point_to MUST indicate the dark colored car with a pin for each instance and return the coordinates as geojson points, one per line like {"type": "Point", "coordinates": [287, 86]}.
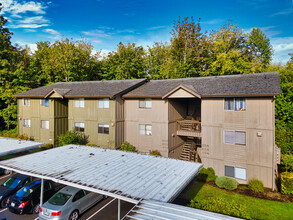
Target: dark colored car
{"type": "Point", "coordinates": [11, 186]}
{"type": "Point", "coordinates": [27, 199]}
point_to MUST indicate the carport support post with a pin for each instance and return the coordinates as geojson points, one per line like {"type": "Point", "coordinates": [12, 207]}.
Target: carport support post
{"type": "Point", "coordinates": [119, 209]}
{"type": "Point", "coordinates": [42, 192]}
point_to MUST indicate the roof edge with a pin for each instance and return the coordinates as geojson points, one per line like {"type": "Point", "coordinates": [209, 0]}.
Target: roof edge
{"type": "Point", "coordinates": [181, 86]}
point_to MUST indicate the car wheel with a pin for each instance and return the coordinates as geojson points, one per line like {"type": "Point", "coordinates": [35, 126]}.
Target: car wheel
{"type": "Point", "coordinates": [36, 209]}
{"type": "Point", "coordinates": [74, 215]}
{"type": "Point", "coordinates": [4, 202]}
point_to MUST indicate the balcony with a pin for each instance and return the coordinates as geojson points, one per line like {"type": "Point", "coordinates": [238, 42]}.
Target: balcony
{"type": "Point", "coordinates": [189, 128]}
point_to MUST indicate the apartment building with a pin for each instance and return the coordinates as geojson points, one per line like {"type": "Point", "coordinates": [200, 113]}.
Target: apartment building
{"type": "Point", "coordinates": [225, 122]}
{"type": "Point", "coordinates": [95, 108]}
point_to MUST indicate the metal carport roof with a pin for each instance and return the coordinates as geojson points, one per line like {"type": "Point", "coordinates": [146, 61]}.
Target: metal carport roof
{"type": "Point", "coordinates": [10, 145]}
{"type": "Point", "coordinates": [123, 175]}
{"type": "Point", "coordinates": [152, 210]}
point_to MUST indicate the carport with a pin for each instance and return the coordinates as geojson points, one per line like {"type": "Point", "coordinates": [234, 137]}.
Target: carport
{"type": "Point", "coordinates": [122, 175]}
{"type": "Point", "coordinates": [11, 146]}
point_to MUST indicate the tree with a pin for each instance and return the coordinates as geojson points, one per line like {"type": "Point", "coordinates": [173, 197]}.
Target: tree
{"type": "Point", "coordinates": [128, 62]}
{"type": "Point", "coordinates": [230, 51]}
{"type": "Point", "coordinates": [260, 49]}
{"type": "Point", "coordinates": [189, 49]}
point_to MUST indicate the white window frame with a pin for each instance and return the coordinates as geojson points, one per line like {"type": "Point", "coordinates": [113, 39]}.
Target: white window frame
{"type": "Point", "coordinates": [234, 137]}
{"type": "Point", "coordinates": [79, 103]}
{"type": "Point", "coordinates": [239, 172]}
{"type": "Point", "coordinates": [145, 103]}
{"type": "Point", "coordinates": [103, 126]}
{"type": "Point", "coordinates": [43, 102]}
{"type": "Point", "coordinates": [78, 126]}
{"type": "Point", "coordinates": [236, 102]}
{"type": "Point", "coordinates": [104, 103]}
{"type": "Point", "coordinates": [26, 102]}
{"type": "Point", "coordinates": [46, 123]}
{"type": "Point", "coordinates": [26, 123]}
{"type": "Point", "coordinates": [145, 129]}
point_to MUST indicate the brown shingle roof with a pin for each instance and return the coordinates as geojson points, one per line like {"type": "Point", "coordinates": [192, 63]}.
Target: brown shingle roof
{"type": "Point", "coordinates": [259, 84]}
{"type": "Point", "coordinates": [85, 89]}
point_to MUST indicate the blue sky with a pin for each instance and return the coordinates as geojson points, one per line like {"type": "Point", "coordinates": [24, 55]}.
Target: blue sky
{"type": "Point", "coordinates": [104, 23]}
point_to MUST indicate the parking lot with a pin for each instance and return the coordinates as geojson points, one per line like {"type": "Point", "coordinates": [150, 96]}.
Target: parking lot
{"type": "Point", "coordinates": [106, 209]}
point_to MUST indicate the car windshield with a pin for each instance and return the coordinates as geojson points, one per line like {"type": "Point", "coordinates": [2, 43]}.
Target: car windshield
{"type": "Point", "coordinates": [59, 199]}
{"type": "Point", "coordinates": [26, 191]}
{"type": "Point", "coordinates": [11, 183]}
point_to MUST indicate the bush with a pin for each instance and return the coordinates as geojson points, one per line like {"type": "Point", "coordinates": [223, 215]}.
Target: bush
{"type": "Point", "coordinates": [222, 206]}
{"type": "Point", "coordinates": [23, 137]}
{"type": "Point", "coordinates": [47, 146]}
{"type": "Point", "coordinates": [127, 147]}
{"type": "Point", "coordinates": [287, 162]}
{"type": "Point", "coordinates": [73, 137]}
{"type": "Point", "coordinates": [256, 185]}
{"type": "Point", "coordinates": [155, 153]}
{"type": "Point", "coordinates": [226, 183]}
{"type": "Point", "coordinates": [92, 145]}
{"type": "Point", "coordinates": [287, 183]}
{"type": "Point", "coordinates": [9, 133]}
{"type": "Point", "coordinates": [206, 175]}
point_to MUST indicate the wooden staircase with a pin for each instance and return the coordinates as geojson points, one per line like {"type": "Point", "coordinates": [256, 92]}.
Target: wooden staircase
{"type": "Point", "coordinates": [188, 152]}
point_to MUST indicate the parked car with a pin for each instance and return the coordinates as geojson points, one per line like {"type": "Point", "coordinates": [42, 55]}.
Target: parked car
{"type": "Point", "coordinates": [68, 203]}
{"type": "Point", "coordinates": [27, 199]}
{"type": "Point", "coordinates": [12, 185]}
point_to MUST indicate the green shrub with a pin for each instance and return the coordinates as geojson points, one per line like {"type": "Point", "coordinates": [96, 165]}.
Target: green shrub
{"type": "Point", "coordinates": [127, 147]}
{"type": "Point", "coordinates": [287, 162]}
{"type": "Point", "coordinates": [155, 153]}
{"type": "Point", "coordinates": [226, 183]}
{"type": "Point", "coordinates": [73, 137]}
{"type": "Point", "coordinates": [12, 133]}
{"type": "Point", "coordinates": [222, 206]}
{"type": "Point", "coordinates": [256, 185]}
{"type": "Point", "coordinates": [47, 146]}
{"type": "Point", "coordinates": [206, 175]}
{"type": "Point", "coordinates": [23, 137]}
{"type": "Point", "coordinates": [243, 187]}
{"type": "Point", "coordinates": [92, 145]}
{"type": "Point", "coordinates": [287, 183]}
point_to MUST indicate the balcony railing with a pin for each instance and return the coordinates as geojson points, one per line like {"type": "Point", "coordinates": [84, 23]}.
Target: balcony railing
{"type": "Point", "coordinates": [189, 128]}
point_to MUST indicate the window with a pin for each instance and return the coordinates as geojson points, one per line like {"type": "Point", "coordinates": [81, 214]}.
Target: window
{"type": "Point", "coordinates": [229, 104]}
{"type": "Point", "coordinates": [44, 124]}
{"type": "Point", "coordinates": [235, 137]}
{"type": "Point", "coordinates": [235, 172]}
{"type": "Point", "coordinates": [78, 195]}
{"type": "Point", "coordinates": [79, 126]}
{"type": "Point", "coordinates": [240, 104]}
{"type": "Point", "coordinates": [26, 123]}
{"type": "Point", "coordinates": [145, 129]}
{"type": "Point", "coordinates": [26, 102]}
{"type": "Point", "coordinates": [103, 103]}
{"type": "Point", "coordinates": [103, 129]}
{"type": "Point", "coordinates": [145, 103]}
{"type": "Point", "coordinates": [44, 102]}
{"type": "Point", "coordinates": [79, 103]}
{"type": "Point", "coordinates": [237, 104]}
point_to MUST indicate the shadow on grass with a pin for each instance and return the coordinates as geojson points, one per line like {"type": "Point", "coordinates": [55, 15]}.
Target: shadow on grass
{"type": "Point", "coordinates": [188, 193]}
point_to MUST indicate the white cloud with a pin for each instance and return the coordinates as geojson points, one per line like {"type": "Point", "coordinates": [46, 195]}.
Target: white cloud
{"type": "Point", "coordinates": [52, 31]}
{"type": "Point", "coordinates": [33, 20]}
{"type": "Point", "coordinates": [31, 46]}
{"type": "Point", "coordinates": [282, 46]}
{"type": "Point", "coordinates": [212, 21]}
{"type": "Point", "coordinates": [284, 12]}
{"type": "Point", "coordinates": [28, 25]}
{"type": "Point", "coordinates": [96, 33]}
{"type": "Point", "coordinates": [15, 7]}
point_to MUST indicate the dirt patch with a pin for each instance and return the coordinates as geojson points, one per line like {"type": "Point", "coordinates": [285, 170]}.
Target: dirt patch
{"type": "Point", "coordinates": [267, 195]}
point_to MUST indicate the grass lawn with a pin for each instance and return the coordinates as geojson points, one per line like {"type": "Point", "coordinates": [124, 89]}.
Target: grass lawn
{"type": "Point", "coordinates": [256, 208]}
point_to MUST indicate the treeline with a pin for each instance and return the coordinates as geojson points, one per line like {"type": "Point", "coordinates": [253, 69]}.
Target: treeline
{"type": "Point", "coordinates": [189, 53]}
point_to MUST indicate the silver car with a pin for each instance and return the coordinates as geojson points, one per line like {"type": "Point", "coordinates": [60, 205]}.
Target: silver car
{"type": "Point", "coordinates": [68, 203]}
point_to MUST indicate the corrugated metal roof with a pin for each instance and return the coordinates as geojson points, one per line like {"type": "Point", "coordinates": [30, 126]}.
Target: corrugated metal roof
{"type": "Point", "coordinates": [151, 210]}
{"type": "Point", "coordinates": [10, 146]}
{"type": "Point", "coordinates": [125, 175]}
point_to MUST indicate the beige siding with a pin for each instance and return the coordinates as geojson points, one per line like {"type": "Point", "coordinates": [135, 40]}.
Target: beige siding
{"type": "Point", "coordinates": [35, 112]}
{"type": "Point", "coordinates": [91, 115]}
{"type": "Point", "coordinates": [157, 116]}
{"type": "Point", "coordinates": [119, 122]}
{"type": "Point", "coordinates": [257, 155]}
